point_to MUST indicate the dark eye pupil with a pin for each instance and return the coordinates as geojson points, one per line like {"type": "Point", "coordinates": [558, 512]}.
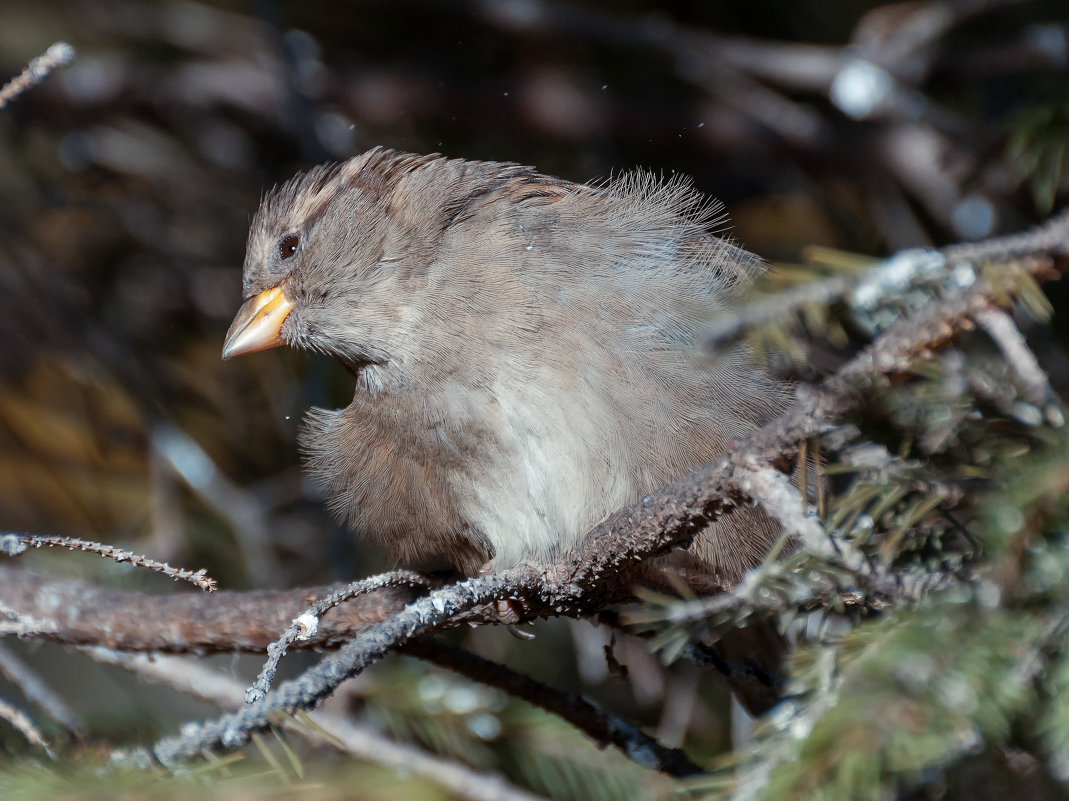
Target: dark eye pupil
{"type": "Point", "coordinates": [288, 246]}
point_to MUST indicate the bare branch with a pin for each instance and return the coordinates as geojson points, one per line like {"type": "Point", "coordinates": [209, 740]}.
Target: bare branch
{"type": "Point", "coordinates": [306, 624]}
{"type": "Point", "coordinates": [867, 292]}
{"type": "Point", "coordinates": [21, 722]}
{"type": "Point", "coordinates": [227, 621]}
{"type": "Point", "coordinates": [1022, 362]}
{"type": "Point", "coordinates": [779, 497]}
{"type": "Point", "coordinates": [368, 646]}
{"type": "Point", "coordinates": [603, 728]}
{"type": "Point", "coordinates": [58, 55]}
{"type": "Point", "coordinates": [18, 544]}
{"type": "Point", "coordinates": [36, 691]}
{"type": "Point", "coordinates": [77, 613]}
{"type": "Point", "coordinates": [187, 676]}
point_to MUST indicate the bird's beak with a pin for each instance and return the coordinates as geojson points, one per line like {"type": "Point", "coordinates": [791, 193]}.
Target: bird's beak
{"type": "Point", "coordinates": [258, 323]}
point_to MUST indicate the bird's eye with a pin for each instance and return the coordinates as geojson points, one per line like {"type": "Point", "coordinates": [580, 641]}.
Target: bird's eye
{"type": "Point", "coordinates": [288, 246]}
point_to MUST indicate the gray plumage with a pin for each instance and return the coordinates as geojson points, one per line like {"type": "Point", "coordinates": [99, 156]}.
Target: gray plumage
{"type": "Point", "coordinates": [527, 351]}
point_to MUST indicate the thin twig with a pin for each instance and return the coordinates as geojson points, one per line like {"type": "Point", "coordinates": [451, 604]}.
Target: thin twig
{"type": "Point", "coordinates": [36, 691]}
{"type": "Point", "coordinates": [603, 728]}
{"type": "Point", "coordinates": [245, 514]}
{"type": "Point", "coordinates": [370, 645]}
{"type": "Point", "coordinates": [17, 544]}
{"type": "Point", "coordinates": [306, 624]}
{"type": "Point", "coordinates": [21, 722]}
{"type": "Point", "coordinates": [58, 55]}
{"type": "Point", "coordinates": [727, 326]}
{"type": "Point", "coordinates": [786, 504]}
{"type": "Point", "coordinates": [775, 589]}
{"type": "Point", "coordinates": [868, 291]}
{"type": "Point", "coordinates": [1022, 362]}
{"type": "Point", "coordinates": [192, 678]}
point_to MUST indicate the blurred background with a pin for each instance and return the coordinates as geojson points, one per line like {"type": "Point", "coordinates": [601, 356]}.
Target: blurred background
{"type": "Point", "coordinates": [128, 179]}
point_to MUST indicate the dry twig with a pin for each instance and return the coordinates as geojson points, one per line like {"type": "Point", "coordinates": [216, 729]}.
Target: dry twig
{"type": "Point", "coordinates": [322, 728]}
{"type": "Point", "coordinates": [21, 722]}
{"type": "Point", "coordinates": [58, 55]}
{"type": "Point", "coordinates": [18, 544]}
{"type": "Point", "coordinates": [36, 691]}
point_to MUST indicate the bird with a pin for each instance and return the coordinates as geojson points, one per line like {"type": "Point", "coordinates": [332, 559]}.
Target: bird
{"type": "Point", "coordinates": [527, 352]}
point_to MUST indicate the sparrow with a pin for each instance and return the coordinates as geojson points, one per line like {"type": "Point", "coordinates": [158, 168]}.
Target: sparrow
{"type": "Point", "coordinates": [527, 352]}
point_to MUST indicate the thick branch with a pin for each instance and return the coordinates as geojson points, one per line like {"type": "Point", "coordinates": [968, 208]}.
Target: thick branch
{"type": "Point", "coordinates": [76, 613]}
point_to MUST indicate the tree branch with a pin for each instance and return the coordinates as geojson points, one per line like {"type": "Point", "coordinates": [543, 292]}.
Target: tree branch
{"type": "Point", "coordinates": [600, 572]}
{"type": "Point", "coordinates": [334, 730]}
{"type": "Point", "coordinates": [604, 729]}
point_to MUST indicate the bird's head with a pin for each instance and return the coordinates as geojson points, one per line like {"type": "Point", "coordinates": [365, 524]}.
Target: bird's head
{"type": "Point", "coordinates": [335, 262]}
